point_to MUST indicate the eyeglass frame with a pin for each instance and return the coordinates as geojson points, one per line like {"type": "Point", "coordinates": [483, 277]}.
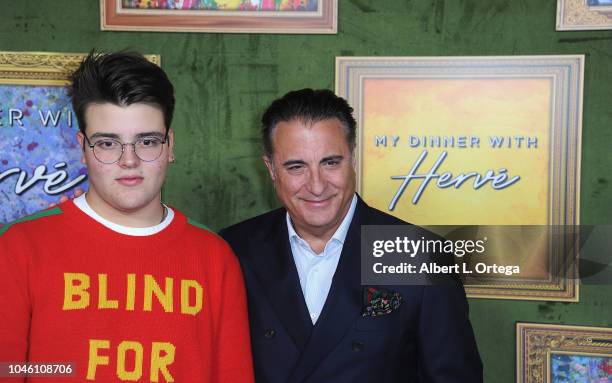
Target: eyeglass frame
{"type": "Point", "coordinates": [92, 146]}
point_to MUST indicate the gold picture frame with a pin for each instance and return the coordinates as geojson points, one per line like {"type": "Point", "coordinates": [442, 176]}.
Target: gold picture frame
{"type": "Point", "coordinates": [583, 15]}
{"type": "Point", "coordinates": [546, 352]}
{"type": "Point", "coordinates": [43, 68]}
{"type": "Point", "coordinates": [38, 68]}
{"type": "Point", "coordinates": [413, 97]}
{"type": "Point", "coordinates": [114, 16]}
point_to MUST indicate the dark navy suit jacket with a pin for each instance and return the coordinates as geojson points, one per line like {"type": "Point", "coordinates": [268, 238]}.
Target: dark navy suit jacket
{"type": "Point", "coordinates": [427, 339]}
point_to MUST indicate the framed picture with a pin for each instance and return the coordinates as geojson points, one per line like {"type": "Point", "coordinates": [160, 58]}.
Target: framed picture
{"type": "Point", "coordinates": [40, 159]}
{"type": "Point", "coordinates": [221, 16]}
{"type": "Point", "coordinates": [433, 134]}
{"type": "Point", "coordinates": [580, 15]}
{"type": "Point", "coordinates": [547, 353]}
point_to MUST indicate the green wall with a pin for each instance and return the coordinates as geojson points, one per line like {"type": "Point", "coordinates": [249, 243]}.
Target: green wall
{"type": "Point", "coordinates": [223, 83]}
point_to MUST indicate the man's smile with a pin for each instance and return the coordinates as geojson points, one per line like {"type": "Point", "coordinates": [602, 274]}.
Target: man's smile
{"type": "Point", "coordinates": [318, 203]}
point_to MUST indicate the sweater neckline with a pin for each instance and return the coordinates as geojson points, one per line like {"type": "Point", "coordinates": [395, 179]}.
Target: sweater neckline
{"type": "Point", "coordinates": [83, 205]}
{"type": "Point", "coordinates": [83, 224]}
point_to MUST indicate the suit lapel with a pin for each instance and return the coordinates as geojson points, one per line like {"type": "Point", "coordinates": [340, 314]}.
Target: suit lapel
{"type": "Point", "coordinates": [343, 304]}
{"type": "Point", "coordinates": [281, 283]}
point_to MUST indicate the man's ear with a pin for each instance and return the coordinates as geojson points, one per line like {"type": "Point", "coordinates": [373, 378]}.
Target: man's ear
{"type": "Point", "coordinates": [270, 165]}
{"type": "Point", "coordinates": [81, 138]}
{"type": "Point", "coordinates": [171, 145]}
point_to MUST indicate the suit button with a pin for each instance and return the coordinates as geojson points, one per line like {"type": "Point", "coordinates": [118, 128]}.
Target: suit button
{"type": "Point", "coordinates": [358, 346]}
{"type": "Point", "coordinates": [270, 333]}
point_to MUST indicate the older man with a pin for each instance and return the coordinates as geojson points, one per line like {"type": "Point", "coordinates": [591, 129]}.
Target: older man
{"type": "Point", "coordinates": [301, 264]}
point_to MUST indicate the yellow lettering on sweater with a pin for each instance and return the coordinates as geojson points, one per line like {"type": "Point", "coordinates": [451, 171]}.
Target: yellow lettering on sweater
{"type": "Point", "coordinates": [136, 373]}
{"type": "Point", "coordinates": [187, 285]}
{"type": "Point", "coordinates": [131, 352]}
{"type": "Point", "coordinates": [94, 358]}
{"type": "Point", "coordinates": [103, 301]}
{"type": "Point", "coordinates": [162, 355]}
{"type": "Point", "coordinates": [164, 297]}
{"type": "Point", "coordinates": [77, 294]}
{"type": "Point", "coordinates": [130, 294]}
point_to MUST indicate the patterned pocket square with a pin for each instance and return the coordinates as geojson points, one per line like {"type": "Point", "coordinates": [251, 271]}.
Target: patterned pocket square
{"type": "Point", "coordinates": [378, 301]}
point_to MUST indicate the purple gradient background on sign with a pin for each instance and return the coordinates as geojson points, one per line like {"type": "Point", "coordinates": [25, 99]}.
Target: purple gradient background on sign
{"type": "Point", "coordinates": [33, 144]}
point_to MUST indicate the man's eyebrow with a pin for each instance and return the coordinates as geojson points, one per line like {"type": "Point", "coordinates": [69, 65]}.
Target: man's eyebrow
{"type": "Point", "coordinates": [105, 135]}
{"type": "Point", "coordinates": [151, 134]}
{"type": "Point", "coordinates": [332, 158]}
{"type": "Point", "coordinates": [293, 162]}
{"type": "Point", "coordinates": [139, 135]}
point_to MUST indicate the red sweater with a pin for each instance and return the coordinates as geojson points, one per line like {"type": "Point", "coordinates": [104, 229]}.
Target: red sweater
{"type": "Point", "coordinates": [166, 307]}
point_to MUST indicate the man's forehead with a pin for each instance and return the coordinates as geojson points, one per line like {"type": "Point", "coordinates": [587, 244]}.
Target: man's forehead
{"type": "Point", "coordinates": [110, 111]}
{"type": "Point", "coordinates": [327, 130]}
{"type": "Point", "coordinates": [298, 153]}
{"type": "Point", "coordinates": [309, 140]}
{"type": "Point", "coordinates": [135, 119]}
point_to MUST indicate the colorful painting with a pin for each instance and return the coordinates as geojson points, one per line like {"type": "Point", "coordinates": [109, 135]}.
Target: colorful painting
{"type": "Point", "coordinates": [39, 153]}
{"type": "Point", "coordinates": [225, 5]}
{"type": "Point", "coordinates": [552, 353]}
{"type": "Point", "coordinates": [484, 141]}
{"type": "Point", "coordinates": [221, 16]}
{"type": "Point", "coordinates": [567, 368]}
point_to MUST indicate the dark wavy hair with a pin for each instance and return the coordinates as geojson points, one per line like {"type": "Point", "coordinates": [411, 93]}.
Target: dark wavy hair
{"type": "Point", "coordinates": [309, 106]}
{"type": "Point", "coordinates": [120, 78]}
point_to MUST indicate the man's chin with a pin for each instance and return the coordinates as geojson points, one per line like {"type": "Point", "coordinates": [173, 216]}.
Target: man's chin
{"type": "Point", "coordinates": [130, 206]}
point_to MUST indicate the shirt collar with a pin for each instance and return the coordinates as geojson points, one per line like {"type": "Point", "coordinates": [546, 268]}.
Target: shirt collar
{"type": "Point", "coordinates": [83, 205]}
{"type": "Point", "coordinates": [341, 231]}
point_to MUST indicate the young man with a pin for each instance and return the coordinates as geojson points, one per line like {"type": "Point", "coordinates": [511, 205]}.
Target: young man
{"type": "Point", "coordinates": [144, 294]}
{"type": "Point", "coordinates": [310, 317]}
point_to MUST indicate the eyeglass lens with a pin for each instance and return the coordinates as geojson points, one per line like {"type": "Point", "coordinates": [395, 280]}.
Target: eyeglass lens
{"type": "Point", "coordinates": [109, 151]}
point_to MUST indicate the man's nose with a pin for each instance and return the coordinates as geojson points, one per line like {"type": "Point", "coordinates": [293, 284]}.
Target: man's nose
{"type": "Point", "coordinates": [316, 182]}
{"type": "Point", "coordinates": [128, 157]}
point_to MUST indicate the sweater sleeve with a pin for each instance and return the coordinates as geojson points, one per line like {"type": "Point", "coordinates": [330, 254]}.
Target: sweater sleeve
{"type": "Point", "coordinates": [233, 346]}
{"type": "Point", "coordinates": [15, 304]}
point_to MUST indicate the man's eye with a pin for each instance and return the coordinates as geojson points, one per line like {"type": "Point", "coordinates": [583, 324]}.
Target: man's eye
{"type": "Point", "coordinates": [151, 142]}
{"type": "Point", "coordinates": [107, 144]}
{"type": "Point", "coordinates": [295, 168]}
{"type": "Point", "coordinates": [332, 163]}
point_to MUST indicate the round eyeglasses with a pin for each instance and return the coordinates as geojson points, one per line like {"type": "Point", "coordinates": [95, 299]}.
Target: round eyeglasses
{"type": "Point", "coordinates": [109, 150]}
